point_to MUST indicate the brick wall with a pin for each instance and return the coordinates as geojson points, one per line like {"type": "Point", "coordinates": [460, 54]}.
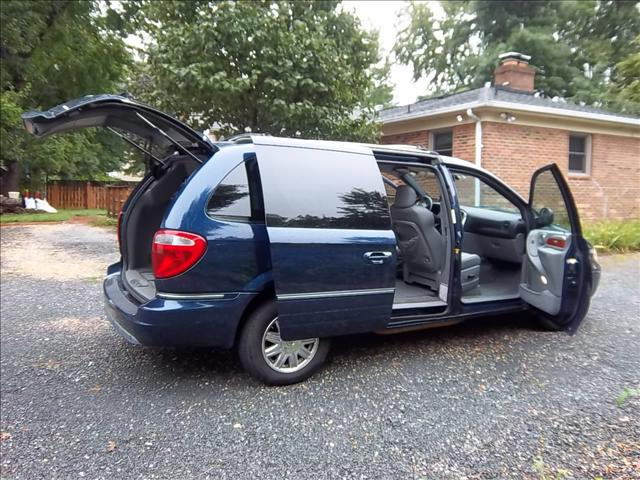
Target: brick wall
{"type": "Point", "coordinates": [513, 152]}
{"type": "Point", "coordinates": [464, 142]}
{"type": "Point", "coordinates": [613, 191]}
{"type": "Point", "coordinates": [419, 138]}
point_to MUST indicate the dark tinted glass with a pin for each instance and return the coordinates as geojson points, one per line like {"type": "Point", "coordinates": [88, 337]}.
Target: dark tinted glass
{"type": "Point", "coordinates": [311, 188]}
{"type": "Point", "coordinates": [577, 162]}
{"type": "Point", "coordinates": [443, 142]}
{"type": "Point", "coordinates": [231, 196]}
{"type": "Point", "coordinates": [577, 144]}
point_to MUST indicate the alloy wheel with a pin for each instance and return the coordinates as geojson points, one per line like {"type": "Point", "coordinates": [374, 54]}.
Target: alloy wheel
{"type": "Point", "coordinates": [286, 356]}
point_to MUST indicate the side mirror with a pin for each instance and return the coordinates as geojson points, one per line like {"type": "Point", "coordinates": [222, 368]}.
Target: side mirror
{"type": "Point", "coordinates": [544, 218]}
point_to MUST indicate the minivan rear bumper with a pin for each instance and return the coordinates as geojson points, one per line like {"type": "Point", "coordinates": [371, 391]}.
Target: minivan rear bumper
{"type": "Point", "coordinates": [163, 322]}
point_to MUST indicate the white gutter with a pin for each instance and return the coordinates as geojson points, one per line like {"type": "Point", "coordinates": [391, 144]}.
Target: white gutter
{"type": "Point", "coordinates": [478, 121]}
{"type": "Point", "coordinates": [565, 112]}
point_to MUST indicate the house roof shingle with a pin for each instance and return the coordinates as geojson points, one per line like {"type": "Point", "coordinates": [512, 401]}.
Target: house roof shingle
{"type": "Point", "coordinates": [486, 95]}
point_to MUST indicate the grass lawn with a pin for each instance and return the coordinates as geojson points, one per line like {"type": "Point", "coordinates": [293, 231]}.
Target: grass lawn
{"type": "Point", "coordinates": [98, 217]}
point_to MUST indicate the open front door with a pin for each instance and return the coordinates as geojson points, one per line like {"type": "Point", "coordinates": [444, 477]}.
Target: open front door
{"type": "Point", "coordinates": [557, 273]}
{"type": "Point", "coordinates": [332, 247]}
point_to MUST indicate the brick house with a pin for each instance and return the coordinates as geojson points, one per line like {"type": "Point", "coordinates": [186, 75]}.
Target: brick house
{"type": "Point", "coordinates": [511, 131]}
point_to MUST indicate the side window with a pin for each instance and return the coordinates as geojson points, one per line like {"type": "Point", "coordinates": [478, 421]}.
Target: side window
{"type": "Point", "coordinates": [475, 192]}
{"type": "Point", "coordinates": [548, 204]}
{"type": "Point", "coordinates": [390, 190]}
{"type": "Point", "coordinates": [579, 153]}
{"type": "Point", "coordinates": [312, 188]}
{"type": "Point", "coordinates": [443, 142]}
{"type": "Point", "coordinates": [231, 200]}
{"type": "Point", "coordinates": [424, 181]}
{"type": "Point", "coordinates": [429, 184]}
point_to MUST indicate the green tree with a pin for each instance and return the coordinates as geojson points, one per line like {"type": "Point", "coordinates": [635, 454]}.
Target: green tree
{"type": "Point", "coordinates": [444, 50]}
{"type": "Point", "coordinates": [52, 51]}
{"type": "Point", "coordinates": [283, 67]}
{"type": "Point", "coordinates": [576, 46]}
{"type": "Point", "coordinates": [625, 91]}
{"type": "Point", "coordinates": [380, 92]}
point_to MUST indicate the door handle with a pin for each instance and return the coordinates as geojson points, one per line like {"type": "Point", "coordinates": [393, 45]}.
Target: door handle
{"type": "Point", "coordinates": [377, 258]}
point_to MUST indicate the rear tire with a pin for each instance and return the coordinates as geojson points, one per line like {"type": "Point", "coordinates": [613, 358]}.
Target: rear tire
{"type": "Point", "coordinates": [274, 361]}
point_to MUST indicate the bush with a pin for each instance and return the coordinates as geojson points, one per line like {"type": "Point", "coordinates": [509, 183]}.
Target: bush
{"type": "Point", "coordinates": [614, 236]}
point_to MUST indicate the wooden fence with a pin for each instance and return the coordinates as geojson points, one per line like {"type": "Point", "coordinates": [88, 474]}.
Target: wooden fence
{"type": "Point", "coordinates": [116, 196]}
{"type": "Point", "coordinates": [88, 195]}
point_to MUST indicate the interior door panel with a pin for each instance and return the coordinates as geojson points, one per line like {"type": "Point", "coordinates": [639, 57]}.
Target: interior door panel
{"type": "Point", "coordinates": [543, 284]}
{"type": "Point", "coordinates": [557, 275]}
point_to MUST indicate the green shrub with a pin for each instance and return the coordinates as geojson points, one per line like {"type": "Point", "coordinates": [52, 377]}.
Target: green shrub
{"type": "Point", "coordinates": [614, 236]}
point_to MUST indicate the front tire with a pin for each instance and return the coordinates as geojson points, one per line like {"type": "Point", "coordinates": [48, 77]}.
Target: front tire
{"type": "Point", "coordinates": [275, 361]}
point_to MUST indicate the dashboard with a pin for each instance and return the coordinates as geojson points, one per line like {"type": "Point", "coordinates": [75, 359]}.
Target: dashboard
{"type": "Point", "coordinates": [493, 234]}
{"type": "Point", "coordinates": [492, 223]}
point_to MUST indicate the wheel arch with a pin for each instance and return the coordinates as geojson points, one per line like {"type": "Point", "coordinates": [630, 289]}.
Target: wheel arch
{"type": "Point", "coordinates": [267, 293]}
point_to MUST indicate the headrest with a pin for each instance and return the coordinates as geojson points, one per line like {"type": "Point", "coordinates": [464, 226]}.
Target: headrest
{"type": "Point", "coordinates": [405, 197]}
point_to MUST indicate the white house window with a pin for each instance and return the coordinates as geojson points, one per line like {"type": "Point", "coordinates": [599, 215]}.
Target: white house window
{"type": "Point", "coordinates": [442, 142]}
{"type": "Point", "coordinates": [579, 154]}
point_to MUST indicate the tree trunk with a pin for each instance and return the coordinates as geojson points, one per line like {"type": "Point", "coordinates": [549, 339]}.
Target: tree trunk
{"type": "Point", "coordinates": [11, 178]}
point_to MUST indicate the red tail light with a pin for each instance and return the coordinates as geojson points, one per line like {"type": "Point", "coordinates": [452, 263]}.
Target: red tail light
{"type": "Point", "coordinates": [558, 242]}
{"type": "Point", "coordinates": [174, 252]}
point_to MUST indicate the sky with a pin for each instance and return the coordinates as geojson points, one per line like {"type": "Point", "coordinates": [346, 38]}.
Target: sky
{"type": "Point", "coordinates": [383, 17]}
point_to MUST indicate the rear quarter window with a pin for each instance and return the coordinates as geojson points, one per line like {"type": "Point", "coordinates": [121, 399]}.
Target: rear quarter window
{"type": "Point", "coordinates": [231, 200]}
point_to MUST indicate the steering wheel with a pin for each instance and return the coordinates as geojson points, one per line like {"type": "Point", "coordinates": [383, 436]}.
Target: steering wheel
{"type": "Point", "coordinates": [426, 202]}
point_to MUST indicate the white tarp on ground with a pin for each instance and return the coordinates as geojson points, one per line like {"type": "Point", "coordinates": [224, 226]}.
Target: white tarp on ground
{"type": "Point", "coordinates": [38, 204]}
{"type": "Point", "coordinates": [44, 205]}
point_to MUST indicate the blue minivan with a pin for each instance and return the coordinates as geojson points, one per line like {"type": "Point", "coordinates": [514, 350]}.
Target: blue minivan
{"type": "Point", "coordinates": [275, 245]}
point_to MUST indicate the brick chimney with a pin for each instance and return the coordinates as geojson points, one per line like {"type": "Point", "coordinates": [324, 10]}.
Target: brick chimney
{"type": "Point", "coordinates": [515, 72]}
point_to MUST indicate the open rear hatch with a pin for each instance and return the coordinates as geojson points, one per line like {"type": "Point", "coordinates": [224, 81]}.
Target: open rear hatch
{"type": "Point", "coordinates": [184, 150]}
{"type": "Point", "coordinates": [119, 112]}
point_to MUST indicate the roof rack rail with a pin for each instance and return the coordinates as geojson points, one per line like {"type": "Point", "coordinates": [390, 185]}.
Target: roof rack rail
{"type": "Point", "coordinates": [404, 149]}
{"type": "Point", "coordinates": [245, 137]}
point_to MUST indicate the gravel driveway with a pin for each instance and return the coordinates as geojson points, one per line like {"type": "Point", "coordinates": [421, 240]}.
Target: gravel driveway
{"type": "Point", "coordinates": [491, 399]}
